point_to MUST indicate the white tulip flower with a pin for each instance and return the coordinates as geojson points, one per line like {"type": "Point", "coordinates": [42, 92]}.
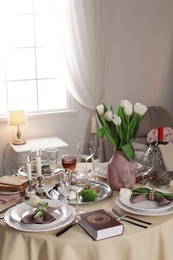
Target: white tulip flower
{"type": "Point", "coordinates": [128, 109]}
{"type": "Point", "coordinates": [108, 115]}
{"type": "Point", "coordinates": [124, 103]}
{"type": "Point", "coordinates": [125, 192]}
{"type": "Point", "coordinates": [34, 201]}
{"type": "Point", "coordinates": [116, 120]}
{"type": "Point", "coordinates": [140, 109]}
{"type": "Point", "coordinates": [100, 109]}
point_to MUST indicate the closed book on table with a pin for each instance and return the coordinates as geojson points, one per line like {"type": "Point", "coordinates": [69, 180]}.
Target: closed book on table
{"type": "Point", "coordinates": [100, 225]}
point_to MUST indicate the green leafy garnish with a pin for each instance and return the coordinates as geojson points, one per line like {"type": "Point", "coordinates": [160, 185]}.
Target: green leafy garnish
{"type": "Point", "coordinates": [88, 195]}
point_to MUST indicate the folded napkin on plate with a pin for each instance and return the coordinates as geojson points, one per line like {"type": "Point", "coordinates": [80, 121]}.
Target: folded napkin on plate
{"type": "Point", "coordinates": [167, 152]}
{"type": "Point", "coordinates": [161, 201]}
{"type": "Point", "coordinates": [44, 219]}
{"type": "Point", "coordinates": [152, 136]}
{"type": "Point", "coordinates": [143, 194]}
{"type": "Point", "coordinates": [8, 197]}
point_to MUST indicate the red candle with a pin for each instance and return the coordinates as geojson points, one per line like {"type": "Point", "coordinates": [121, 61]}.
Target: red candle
{"type": "Point", "coordinates": [160, 133]}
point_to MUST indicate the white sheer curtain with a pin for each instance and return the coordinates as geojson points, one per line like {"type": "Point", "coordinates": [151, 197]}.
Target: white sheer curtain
{"type": "Point", "coordinates": [85, 26]}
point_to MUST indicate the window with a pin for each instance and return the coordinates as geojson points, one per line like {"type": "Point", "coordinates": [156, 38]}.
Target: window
{"type": "Point", "coordinates": [31, 75]}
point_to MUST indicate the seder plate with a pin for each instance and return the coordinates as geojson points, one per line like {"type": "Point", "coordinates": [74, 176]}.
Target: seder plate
{"type": "Point", "coordinates": [23, 172]}
{"type": "Point", "coordinates": [105, 191]}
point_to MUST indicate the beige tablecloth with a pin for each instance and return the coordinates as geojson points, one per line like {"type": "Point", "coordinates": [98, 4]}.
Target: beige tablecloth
{"type": "Point", "coordinates": [155, 242]}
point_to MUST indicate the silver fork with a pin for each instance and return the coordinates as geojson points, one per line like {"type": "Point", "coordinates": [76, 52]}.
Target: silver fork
{"type": "Point", "coordinates": [122, 216]}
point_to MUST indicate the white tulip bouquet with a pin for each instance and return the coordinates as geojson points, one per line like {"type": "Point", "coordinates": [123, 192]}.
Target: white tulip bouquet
{"type": "Point", "coordinates": [121, 129]}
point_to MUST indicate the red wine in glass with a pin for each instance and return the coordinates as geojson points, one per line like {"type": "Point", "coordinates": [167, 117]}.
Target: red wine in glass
{"type": "Point", "coordinates": [69, 161]}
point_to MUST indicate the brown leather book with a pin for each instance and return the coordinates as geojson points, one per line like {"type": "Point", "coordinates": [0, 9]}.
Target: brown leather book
{"type": "Point", "coordinates": [100, 225]}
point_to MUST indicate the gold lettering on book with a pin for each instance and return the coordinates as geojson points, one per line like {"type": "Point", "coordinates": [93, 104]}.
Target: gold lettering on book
{"type": "Point", "coordinates": [98, 218]}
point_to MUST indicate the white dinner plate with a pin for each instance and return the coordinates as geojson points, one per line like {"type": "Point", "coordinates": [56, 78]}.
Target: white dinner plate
{"type": "Point", "coordinates": [143, 212]}
{"type": "Point", "coordinates": [146, 205]}
{"type": "Point", "coordinates": [64, 215]}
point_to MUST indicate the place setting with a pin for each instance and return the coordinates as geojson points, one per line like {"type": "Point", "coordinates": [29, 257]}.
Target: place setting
{"type": "Point", "coordinates": [145, 201]}
{"type": "Point", "coordinates": [39, 215]}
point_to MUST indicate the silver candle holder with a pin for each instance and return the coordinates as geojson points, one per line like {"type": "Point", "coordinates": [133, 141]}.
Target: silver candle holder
{"type": "Point", "coordinates": [29, 192]}
{"type": "Point", "coordinates": [40, 187]}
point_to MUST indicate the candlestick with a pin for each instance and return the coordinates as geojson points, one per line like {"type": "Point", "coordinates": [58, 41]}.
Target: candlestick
{"type": "Point", "coordinates": [28, 169]}
{"type": "Point", "coordinates": [29, 191]}
{"type": "Point", "coordinates": [40, 188]}
{"type": "Point", "coordinates": [38, 164]}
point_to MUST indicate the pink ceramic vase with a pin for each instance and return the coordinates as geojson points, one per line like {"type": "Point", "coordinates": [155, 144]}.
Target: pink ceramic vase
{"type": "Point", "coordinates": [116, 169]}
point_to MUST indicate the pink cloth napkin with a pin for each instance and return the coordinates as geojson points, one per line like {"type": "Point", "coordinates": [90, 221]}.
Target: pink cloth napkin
{"type": "Point", "coordinates": [8, 197]}
{"type": "Point", "coordinates": [152, 136]}
{"type": "Point", "coordinates": [45, 219]}
{"type": "Point", "coordinates": [162, 201]}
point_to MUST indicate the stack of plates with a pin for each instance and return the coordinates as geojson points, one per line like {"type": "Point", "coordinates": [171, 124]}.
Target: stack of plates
{"type": "Point", "coordinates": [64, 215]}
{"type": "Point", "coordinates": [147, 208]}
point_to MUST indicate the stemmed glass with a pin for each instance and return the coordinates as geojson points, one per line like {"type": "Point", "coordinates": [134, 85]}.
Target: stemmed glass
{"type": "Point", "coordinates": [83, 149]}
{"type": "Point", "coordinates": [69, 161]}
{"type": "Point", "coordinates": [127, 174]}
{"type": "Point", "coordinates": [144, 165]}
{"type": "Point", "coordinates": [65, 183]}
{"type": "Point", "coordinates": [95, 160]}
{"type": "Point", "coordinates": [81, 179]}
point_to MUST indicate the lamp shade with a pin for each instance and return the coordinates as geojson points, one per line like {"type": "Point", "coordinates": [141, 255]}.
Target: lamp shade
{"type": "Point", "coordinates": [17, 117]}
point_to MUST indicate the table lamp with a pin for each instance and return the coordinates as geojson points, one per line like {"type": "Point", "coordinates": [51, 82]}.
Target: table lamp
{"type": "Point", "coordinates": [18, 118]}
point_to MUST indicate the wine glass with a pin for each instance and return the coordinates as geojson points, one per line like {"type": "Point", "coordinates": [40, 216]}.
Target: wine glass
{"type": "Point", "coordinates": [69, 161]}
{"type": "Point", "coordinates": [144, 165]}
{"type": "Point", "coordinates": [65, 183]}
{"type": "Point", "coordinates": [83, 149]}
{"type": "Point", "coordinates": [127, 173]}
{"type": "Point", "coordinates": [80, 178]}
{"type": "Point", "coordinates": [52, 155]}
{"type": "Point", "coordinates": [95, 160]}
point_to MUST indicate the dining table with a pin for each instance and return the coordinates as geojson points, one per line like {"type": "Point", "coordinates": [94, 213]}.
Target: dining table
{"type": "Point", "coordinates": [154, 242]}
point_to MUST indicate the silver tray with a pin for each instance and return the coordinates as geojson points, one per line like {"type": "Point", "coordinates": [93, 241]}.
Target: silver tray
{"type": "Point", "coordinates": [23, 172]}
{"type": "Point", "coordinates": [105, 191]}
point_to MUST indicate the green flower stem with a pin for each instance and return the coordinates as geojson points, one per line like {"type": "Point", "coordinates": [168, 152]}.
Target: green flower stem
{"type": "Point", "coordinates": [140, 191]}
